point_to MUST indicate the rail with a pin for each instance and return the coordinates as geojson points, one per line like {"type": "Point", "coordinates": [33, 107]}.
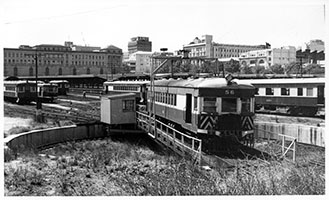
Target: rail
{"type": "Point", "coordinates": [181, 143]}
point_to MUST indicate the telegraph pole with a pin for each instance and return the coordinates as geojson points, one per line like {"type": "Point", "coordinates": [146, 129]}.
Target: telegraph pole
{"type": "Point", "coordinates": [38, 103]}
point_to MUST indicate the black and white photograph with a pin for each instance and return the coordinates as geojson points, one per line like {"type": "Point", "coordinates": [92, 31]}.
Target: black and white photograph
{"type": "Point", "coordinates": [164, 98]}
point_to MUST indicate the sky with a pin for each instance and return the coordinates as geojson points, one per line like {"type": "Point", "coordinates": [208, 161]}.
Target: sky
{"type": "Point", "coordinates": [168, 23]}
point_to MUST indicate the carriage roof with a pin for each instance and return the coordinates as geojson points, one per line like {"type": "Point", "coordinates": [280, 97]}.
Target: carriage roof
{"type": "Point", "coordinates": [199, 83]}
{"type": "Point", "coordinates": [283, 81]}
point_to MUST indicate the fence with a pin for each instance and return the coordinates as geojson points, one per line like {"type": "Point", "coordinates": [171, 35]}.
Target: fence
{"type": "Point", "coordinates": [304, 134]}
{"type": "Point", "coordinates": [51, 136]}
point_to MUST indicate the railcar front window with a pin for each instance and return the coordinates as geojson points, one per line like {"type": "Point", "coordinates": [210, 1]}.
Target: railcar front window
{"type": "Point", "coordinates": [209, 104]}
{"type": "Point", "coordinates": [245, 105]}
{"type": "Point", "coordinates": [229, 105]}
{"type": "Point", "coordinates": [269, 91]}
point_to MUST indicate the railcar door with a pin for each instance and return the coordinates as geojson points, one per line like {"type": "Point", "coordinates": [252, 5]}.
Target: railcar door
{"type": "Point", "coordinates": [188, 111]}
{"type": "Point", "coordinates": [320, 94]}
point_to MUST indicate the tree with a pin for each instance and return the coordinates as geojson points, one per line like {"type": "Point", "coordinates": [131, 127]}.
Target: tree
{"type": "Point", "coordinates": [258, 69]}
{"type": "Point", "coordinates": [276, 69]}
{"type": "Point", "coordinates": [246, 70]}
{"type": "Point", "coordinates": [232, 66]}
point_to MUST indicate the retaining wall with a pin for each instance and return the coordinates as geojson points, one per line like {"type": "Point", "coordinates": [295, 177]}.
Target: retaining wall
{"type": "Point", "coordinates": [51, 136]}
{"type": "Point", "coordinates": [304, 134]}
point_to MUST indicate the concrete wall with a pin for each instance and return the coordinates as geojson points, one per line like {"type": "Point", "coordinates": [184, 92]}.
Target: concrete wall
{"type": "Point", "coordinates": [45, 137]}
{"type": "Point", "coordinates": [304, 134]}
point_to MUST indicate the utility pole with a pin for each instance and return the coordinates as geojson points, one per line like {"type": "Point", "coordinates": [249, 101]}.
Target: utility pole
{"type": "Point", "coordinates": [37, 100]}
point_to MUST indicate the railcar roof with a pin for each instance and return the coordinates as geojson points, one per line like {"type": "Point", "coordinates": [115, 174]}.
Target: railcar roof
{"type": "Point", "coordinates": [196, 83]}
{"type": "Point", "coordinates": [282, 81]}
{"type": "Point", "coordinates": [18, 82]}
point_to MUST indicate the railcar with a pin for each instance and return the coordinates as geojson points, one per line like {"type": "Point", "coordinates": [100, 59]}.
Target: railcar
{"type": "Point", "coordinates": [211, 109]}
{"type": "Point", "coordinates": [63, 86]}
{"type": "Point", "coordinates": [20, 91]}
{"type": "Point", "coordinates": [47, 92]}
{"type": "Point", "coordinates": [295, 96]}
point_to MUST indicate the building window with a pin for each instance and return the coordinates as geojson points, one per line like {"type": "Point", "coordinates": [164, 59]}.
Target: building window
{"type": "Point", "coordinates": [269, 91]}
{"type": "Point", "coordinates": [60, 71]}
{"type": "Point", "coordinates": [299, 91]}
{"type": "Point", "coordinates": [127, 105]}
{"type": "Point", "coordinates": [285, 91]}
{"type": "Point", "coordinates": [47, 71]}
{"type": "Point", "coordinates": [88, 71]}
{"type": "Point", "coordinates": [31, 71]}
{"type": "Point", "coordinates": [101, 71]}
{"type": "Point", "coordinates": [74, 71]}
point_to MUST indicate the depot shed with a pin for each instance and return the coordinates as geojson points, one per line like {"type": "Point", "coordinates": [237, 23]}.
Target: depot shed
{"type": "Point", "coordinates": [118, 109]}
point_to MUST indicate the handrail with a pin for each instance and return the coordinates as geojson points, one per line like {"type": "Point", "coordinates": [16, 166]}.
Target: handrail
{"type": "Point", "coordinates": [163, 130]}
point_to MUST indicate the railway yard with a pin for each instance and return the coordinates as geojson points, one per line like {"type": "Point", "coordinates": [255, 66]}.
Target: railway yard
{"type": "Point", "coordinates": [74, 108]}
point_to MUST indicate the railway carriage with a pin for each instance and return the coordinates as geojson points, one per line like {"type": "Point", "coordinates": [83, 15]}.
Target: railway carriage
{"type": "Point", "coordinates": [211, 109]}
{"type": "Point", "coordinates": [47, 92]}
{"type": "Point", "coordinates": [63, 86]}
{"type": "Point", "coordinates": [296, 96]}
{"type": "Point", "coordinates": [20, 91]}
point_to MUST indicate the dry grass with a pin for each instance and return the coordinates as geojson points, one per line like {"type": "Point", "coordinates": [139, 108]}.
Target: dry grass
{"type": "Point", "coordinates": [105, 167]}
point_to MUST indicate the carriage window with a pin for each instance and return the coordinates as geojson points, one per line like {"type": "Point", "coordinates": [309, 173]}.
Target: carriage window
{"type": "Point", "coordinates": [209, 104]}
{"type": "Point", "coordinates": [245, 105]}
{"type": "Point", "coordinates": [269, 91]}
{"type": "Point", "coordinates": [21, 89]}
{"type": "Point", "coordinates": [229, 105]}
{"type": "Point", "coordinates": [32, 89]}
{"type": "Point", "coordinates": [128, 105]}
{"type": "Point", "coordinates": [285, 91]}
{"type": "Point", "coordinates": [309, 92]}
{"type": "Point", "coordinates": [300, 91]}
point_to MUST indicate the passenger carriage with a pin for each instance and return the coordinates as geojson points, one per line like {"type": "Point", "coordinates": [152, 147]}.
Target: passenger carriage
{"type": "Point", "coordinates": [47, 92]}
{"type": "Point", "coordinates": [63, 86]}
{"type": "Point", "coordinates": [20, 91]}
{"type": "Point", "coordinates": [298, 96]}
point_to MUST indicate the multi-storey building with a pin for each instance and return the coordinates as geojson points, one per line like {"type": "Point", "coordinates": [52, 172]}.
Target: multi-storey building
{"type": "Point", "coordinates": [268, 57]}
{"type": "Point", "coordinates": [60, 60]}
{"type": "Point", "coordinates": [139, 44]}
{"type": "Point", "coordinates": [142, 61]}
{"type": "Point", "coordinates": [206, 48]}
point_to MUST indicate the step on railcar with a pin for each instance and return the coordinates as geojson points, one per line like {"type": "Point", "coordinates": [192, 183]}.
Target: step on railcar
{"type": "Point", "coordinates": [21, 92]}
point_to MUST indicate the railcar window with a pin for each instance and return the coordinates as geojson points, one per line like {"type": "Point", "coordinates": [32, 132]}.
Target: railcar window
{"type": "Point", "coordinates": [128, 105]}
{"type": "Point", "coordinates": [300, 91]}
{"type": "Point", "coordinates": [269, 91]}
{"type": "Point", "coordinates": [209, 104]}
{"type": "Point", "coordinates": [285, 91]}
{"type": "Point", "coordinates": [229, 105]}
{"type": "Point", "coordinates": [195, 107]}
{"type": "Point", "coordinates": [10, 88]}
{"type": "Point", "coordinates": [309, 92]}
{"type": "Point", "coordinates": [245, 105]}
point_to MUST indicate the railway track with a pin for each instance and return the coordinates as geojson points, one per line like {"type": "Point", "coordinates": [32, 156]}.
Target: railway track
{"type": "Point", "coordinates": [75, 112]}
{"type": "Point", "coordinates": [287, 114]}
